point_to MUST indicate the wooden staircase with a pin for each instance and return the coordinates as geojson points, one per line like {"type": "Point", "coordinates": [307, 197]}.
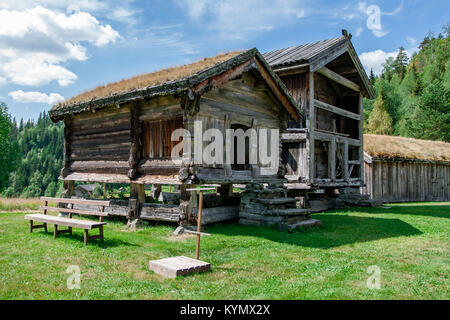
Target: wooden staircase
{"type": "Point", "coordinates": [270, 206]}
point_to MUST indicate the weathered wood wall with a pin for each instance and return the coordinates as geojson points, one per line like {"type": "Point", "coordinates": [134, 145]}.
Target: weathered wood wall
{"type": "Point", "coordinates": [100, 142]}
{"type": "Point", "coordinates": [403, 181]}
{"type": "Point", "coordinates": [244, 101]}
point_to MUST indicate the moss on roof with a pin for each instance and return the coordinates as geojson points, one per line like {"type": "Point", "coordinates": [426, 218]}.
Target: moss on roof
{"type": "Point", "coordinates": [147, 80]}
{"type": "Point", "coordinates": [380, 146]}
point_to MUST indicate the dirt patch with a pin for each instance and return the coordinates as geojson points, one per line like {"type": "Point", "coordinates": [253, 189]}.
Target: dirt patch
{"type": "Point", "coordinates": [181, 237]}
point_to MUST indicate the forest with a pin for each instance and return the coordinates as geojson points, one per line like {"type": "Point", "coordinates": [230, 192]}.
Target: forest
{"type": "Point", "coordinates": [412, 100]}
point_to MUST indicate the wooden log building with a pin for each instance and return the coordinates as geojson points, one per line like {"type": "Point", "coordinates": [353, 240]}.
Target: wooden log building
{"type": "Point", "coordinates": [399, 169]}
{"type": "Point", "coordinates": [121, 133]}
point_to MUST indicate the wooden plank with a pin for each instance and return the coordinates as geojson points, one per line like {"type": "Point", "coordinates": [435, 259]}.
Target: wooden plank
{"type": "Point", "coordinates": [320, 135]}
{"type": "Point", "coordinates": [338, 78]}
{"type": "Point", "coordinates": [80, 212]}
{"type": "Point", "coordinates": [76, 201]}
{"type": "Point", "coordinates": [311, 128]}
{"type": "Point", "coordinates": [336, 110]}
{"type": "Point", "coordinates": [332, 160]}
{"type": "Point", "coordinates": [76, 223]}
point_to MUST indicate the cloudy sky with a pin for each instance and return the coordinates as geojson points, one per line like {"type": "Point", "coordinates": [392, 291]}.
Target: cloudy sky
{"type": "Point", "coordinates": [54, 49]}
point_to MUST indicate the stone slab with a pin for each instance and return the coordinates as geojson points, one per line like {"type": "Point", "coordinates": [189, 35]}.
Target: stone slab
{"type": "Point", "coordinates": [178, 266]}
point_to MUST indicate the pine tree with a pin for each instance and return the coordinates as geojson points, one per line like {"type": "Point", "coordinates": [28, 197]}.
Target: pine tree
{"type": "Point", "coordinates": [372, 77]}
{"type": "Point", "coordinates": [380, 122]}
{"type": "Point", "coordinates": [400, 63]}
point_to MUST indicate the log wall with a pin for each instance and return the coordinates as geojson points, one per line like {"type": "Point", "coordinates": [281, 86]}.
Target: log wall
{"type": "Point", "coordinates": [407, 181]}
{"type": "Point", "coordinates": [100, 142]}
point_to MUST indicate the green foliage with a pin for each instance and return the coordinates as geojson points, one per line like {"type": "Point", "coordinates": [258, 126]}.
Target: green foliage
{"type": "Point", "coordinates": [380, 122]}
{"type": "Point", "coordinates": [415, 93]}
{"type": "Point", "coordinates": [8, 147]}
{"type": "Point", "coordinates": [37, 156]}
{"type": "Point", "coordinates": [98, 192]}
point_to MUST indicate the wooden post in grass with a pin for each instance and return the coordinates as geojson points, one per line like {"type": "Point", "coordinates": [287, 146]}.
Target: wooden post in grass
{"type": "Point", "coordinates": [199, 223]}
{"type": "Point", "coordinates": [199, 219]}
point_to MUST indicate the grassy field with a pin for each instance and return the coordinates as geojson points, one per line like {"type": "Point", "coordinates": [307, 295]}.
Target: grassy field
{"type": "Point", "coordinates": [408, 242]}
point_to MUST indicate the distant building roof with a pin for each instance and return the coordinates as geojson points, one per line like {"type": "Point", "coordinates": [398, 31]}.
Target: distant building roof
{"type": "Point", "coordinates": [393, 147]}
{"type": "Point", "coordinates": [87, 187]}
{"type": "Point", "coordinates": [301, 53]}
{"type": "Point", "coordinates": [318, 54]}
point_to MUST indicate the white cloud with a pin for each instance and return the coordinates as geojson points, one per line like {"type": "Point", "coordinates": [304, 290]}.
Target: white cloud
{"type": "Point", "coordinates": [35, 97]}
{"type": "Point", "coordinates": [239, 18]}
{"type": "Point", "coordinates": [374, 60]}
{"type": "Point", "coordinates": [359, 31]}
{"type": "Point", "coordinates": [123, 14]}
{"type": "Point", "coordinates": [35, 42]}
{"type": "Point", "coordinates": [2, 81]}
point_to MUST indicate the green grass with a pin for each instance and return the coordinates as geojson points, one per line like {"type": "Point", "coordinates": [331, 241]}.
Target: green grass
{"type": "Point", "coordinates": [408, 242]}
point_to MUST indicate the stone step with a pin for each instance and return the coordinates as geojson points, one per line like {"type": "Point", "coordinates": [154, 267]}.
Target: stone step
{"type": "Point", "coordinates": [289, 212]}
{"type": "Point", "coordinates": [275, 190]}
{"type": "Point", "coordinates": [304, 224]}
{"type": "Point", "coordinates": [275, 201]}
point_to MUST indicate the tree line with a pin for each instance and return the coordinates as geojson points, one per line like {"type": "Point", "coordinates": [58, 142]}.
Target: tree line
{"type": "Point", "coordinates": [31, 156]}
{"type": "Point", "coordinates": [412, 100]}
{"type": "Point", "coordinates": [412, 95]}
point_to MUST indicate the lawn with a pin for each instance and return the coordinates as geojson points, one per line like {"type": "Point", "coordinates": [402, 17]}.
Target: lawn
{"type": "Point", "coordinates": [408, 242]}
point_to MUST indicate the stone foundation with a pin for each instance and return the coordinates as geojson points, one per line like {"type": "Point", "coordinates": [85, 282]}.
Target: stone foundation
{"type": "Point", "coordinates": [270, 206]}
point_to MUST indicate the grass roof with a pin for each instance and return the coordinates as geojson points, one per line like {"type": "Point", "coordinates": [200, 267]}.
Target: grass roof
{"type": "Point", "coordinates": [380, 146]}
{"type": "Point", "coordinates": [145, 80]}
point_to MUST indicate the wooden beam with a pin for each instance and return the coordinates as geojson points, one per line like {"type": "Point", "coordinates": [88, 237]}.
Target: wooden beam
{"type": "Point", "coordinates": [320, 135]}
{"type": "Point", "coordinates": [331, 108]}
{"type": "Point", "coordinates": [332, 160]}
{"type": "Point", "coordinates": [339, 79]}
{"type": "Point", "coordinates": [311, 128]}
{"type": "Point", "coordinates": [361, 138]}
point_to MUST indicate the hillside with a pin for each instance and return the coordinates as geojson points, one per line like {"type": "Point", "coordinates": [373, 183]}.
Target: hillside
{"type": "Point", "coordinates": [413, 95]}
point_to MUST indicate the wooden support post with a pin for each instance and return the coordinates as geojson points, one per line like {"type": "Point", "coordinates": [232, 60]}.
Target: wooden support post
{"type": "Point", "coordinates": [104, 190]}
{"type": "Point", "coordinates": [345, 161]}
{"type": "Point", "coordinates": [31, 226]}
{"type": "Point", "coordinates": [137, 191]}
{"type": "Point", "coordinates": [226, 190]}
{"type": "Point", "coordinates": [311, 129]}
{"type": "Point", "coordinates": [156, 191]}
{"type": "Point", "coordinates": [86, 236]}
{"type": "Point", "coordinates": [67, 150]}
{"type": "Point", "coordinates": [136, 145]}
{"type": "Point", "coordinates": [332, 159]}
{"type": "Point", "coordinates": [199, 223]}
{"type": "Point", "coordinates": [188, 203]}
{"type": "Point", "coordinates": [55, 231]}
{"type": "Point", "coordinates": [361, 139]}
{"type": "Point", "coordinates": [101, 233]}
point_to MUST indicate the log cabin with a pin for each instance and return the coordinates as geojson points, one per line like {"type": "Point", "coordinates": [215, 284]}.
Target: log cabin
{"type": "Point", "coordinates": [121, 132]}
{"type": "Point", "coordinates": [399, 169]}
{"type": "Point", "coordinates": [328, 81]}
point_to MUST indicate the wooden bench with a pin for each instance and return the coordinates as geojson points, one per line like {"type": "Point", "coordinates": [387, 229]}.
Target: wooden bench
{"type": "Point", "coordinates": [69, 221]}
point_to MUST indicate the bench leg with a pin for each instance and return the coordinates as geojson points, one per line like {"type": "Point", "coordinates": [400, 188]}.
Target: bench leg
{"type": "Point", "coordinates": [101, 233]}
{"type": "Point", "coordinates": [86, 236]}
{"type": "Point", "coordinates": [34, 226]}
{"type": "Point", "coordinates": [70, 230]}
{"type": "Point", "coordinates": [55, 231]}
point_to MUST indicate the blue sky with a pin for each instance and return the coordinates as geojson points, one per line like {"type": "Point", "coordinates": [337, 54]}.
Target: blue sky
{"type": "Point", "coordinates": [55, 49]}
